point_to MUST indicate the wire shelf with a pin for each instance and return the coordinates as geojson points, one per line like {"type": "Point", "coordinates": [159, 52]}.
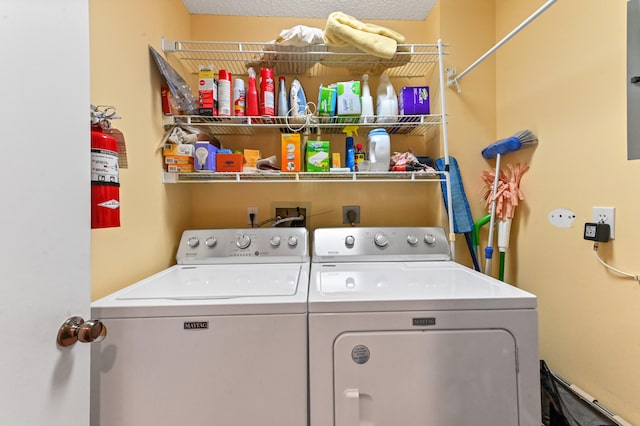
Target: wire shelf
{"type": "Point", "coordinates": [275, 176]}
{"type": "Point", "coordinates": [398, 125]}
{"type": "Point", "coordinates": [410, 60]}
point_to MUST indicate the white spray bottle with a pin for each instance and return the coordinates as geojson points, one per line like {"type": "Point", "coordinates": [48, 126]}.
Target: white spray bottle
{"type": "Point", "coordinates": [367, 101]}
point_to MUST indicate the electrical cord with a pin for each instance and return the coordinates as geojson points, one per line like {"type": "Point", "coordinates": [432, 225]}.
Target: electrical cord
{"type": "Point", "coordinates": [611, 268]}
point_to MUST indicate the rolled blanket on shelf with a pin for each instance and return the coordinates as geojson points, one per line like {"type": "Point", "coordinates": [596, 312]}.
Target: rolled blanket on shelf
{"type": "Point", "coordinates": [344, 30]}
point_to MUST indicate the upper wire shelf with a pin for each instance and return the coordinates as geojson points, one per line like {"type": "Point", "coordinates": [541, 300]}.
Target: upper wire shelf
{"type": "Point", "coordinates": [400, 125]}
{"type": "Point", "coordinates": [411, 60]}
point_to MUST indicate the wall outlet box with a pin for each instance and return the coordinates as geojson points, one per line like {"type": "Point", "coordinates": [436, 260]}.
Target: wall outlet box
{"type": "Point", "coordinates": [605, 215]}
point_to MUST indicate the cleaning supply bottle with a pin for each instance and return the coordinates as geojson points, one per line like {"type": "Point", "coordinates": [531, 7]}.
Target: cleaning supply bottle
{"type": "Point", "coordinates": [283, 101]}
{"type": "Point", "coordinates": [238, 97]}
{"type": "Point", "coordinates": [367, 101]}
{"type": "Point", "coordinates": [379, 150]}
{"type": "Point", "coordinates": [252, 94]}
{"type": "Point", "coordinates": [350, 155]}
{"type": "Point", "coordinates": [359, 156]}
{"type": "Point", "coordinates": [387, 102]}
{"type": "Point", "coordinates": [267, 92]}
{"type": "Point", "coordinates": [224, 93]}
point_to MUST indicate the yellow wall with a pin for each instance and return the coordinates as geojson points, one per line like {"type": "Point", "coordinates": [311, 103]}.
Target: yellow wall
{"type": "Point", "coordinates": [562, 77]}
{"type": "Point", "coordinates": [123, 75]}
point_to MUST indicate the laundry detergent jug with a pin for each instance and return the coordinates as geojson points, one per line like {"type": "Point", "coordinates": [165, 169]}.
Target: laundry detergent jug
{"type": "Point", "coordinates": [379, 150]}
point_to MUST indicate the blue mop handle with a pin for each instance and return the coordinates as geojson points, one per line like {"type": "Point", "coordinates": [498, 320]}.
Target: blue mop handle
{"type": "Point", "coordinates": [502, 147]}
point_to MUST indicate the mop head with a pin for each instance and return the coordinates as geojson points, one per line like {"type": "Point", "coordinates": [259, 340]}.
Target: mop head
{"type": "Point", "coordinates": [522, 139]}
{"type": "Point", "coordinates": [462, 219]}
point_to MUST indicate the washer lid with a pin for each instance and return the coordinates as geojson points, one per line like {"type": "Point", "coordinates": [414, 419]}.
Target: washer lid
{"type": "Point", "coordinates": [402, 286]}
{"type": "Point", "coordinates": [212, 290]}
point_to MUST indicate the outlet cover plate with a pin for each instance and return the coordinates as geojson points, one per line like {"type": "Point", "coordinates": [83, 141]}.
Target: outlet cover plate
{"type": "Point", "coordinates": [605, 215]}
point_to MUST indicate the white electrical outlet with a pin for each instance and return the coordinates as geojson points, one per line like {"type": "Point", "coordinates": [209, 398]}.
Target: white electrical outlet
{"type": "Point", "coordinates": [254, 211]}
{"type": "Point", "coordinates": [605, 215]}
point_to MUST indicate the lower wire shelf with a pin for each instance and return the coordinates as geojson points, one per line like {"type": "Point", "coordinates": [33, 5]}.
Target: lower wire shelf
{"type": "Point", "coordinates": [275, 176]}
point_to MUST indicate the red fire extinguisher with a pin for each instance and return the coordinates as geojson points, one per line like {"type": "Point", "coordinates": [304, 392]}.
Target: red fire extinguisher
{"type": "Point", "coordinates": [105, 178]}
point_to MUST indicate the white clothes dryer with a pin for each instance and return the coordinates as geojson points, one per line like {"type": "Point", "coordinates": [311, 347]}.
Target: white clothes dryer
{"type": "Point", "coordinates": [401, 335]}
{"type": "Point", "coordinates": [218, 339]}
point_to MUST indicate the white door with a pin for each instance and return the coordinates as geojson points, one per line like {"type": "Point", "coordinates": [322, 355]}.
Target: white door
{"type": "Point", "coordinates": [44, 209]}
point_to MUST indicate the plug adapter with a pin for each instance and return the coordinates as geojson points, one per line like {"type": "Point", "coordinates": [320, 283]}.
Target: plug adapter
{"type": "Point", "coordinates": [596, 232]}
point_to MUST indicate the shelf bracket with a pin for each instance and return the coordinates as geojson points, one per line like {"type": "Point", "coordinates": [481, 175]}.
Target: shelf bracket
{"type": "Point", "coordinates": [452, 79]}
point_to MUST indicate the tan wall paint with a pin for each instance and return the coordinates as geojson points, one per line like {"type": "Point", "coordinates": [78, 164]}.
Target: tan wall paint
{"type": "Point", "coordinates": [564, 78]}
{"type": "Point", "coordinates": [123, 74]}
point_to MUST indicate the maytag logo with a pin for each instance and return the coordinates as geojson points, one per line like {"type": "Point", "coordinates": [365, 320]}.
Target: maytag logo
{"type": "Point", "coordinates": [424, 321]}
{"type": "Point", "coordinates": [196, 325]}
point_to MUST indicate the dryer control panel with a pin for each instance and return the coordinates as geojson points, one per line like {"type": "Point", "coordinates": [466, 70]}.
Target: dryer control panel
{"type": "Point", "coordinates": [250, 245]}
{"type": "Point", "coordinates": [380, 244]}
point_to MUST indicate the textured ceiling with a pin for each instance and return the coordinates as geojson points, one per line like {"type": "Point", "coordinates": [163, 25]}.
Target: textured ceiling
{"type": "Point", "coordinates": [412, 10]}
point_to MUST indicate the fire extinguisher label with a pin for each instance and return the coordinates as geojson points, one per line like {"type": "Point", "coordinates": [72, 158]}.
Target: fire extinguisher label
{"type": "Point", "coordinates": [111, 204]}
{"type": "Point", "coordinates": [104, 166]}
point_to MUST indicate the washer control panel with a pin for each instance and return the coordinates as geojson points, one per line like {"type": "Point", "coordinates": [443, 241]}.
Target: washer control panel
{"type": "Point", "coordinates": [385, 243]}
{"type": "Point", "coordinates": [250, 245]}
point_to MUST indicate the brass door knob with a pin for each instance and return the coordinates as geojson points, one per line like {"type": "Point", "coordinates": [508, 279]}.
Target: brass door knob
{"type": "Point", "coordinates": [76, 329]}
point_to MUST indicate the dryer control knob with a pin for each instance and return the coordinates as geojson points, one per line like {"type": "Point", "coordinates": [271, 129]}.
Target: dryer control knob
{"type": "Point", "coordinates": [293, 241]}
{"type": "Point", "coordinates": [193, 242]}
{"type": "Point", "coordinates": [350, 240]}
{"type": "Point", "coordinates": [381, 240]}
{"type": "Point", "coordinates": [429, 239]}
{"type": "Point", "coordinates": [210, 242]}
{"type": "Point", "coordinates": [243, 241]}
{"type": "Point", "coordinates": [275, 240]}
{"type": "Point", "coordinates": [412, 239]}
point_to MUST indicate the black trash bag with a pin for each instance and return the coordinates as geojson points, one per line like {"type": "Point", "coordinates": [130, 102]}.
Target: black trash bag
{"type": "Point", "coordinates": [561, 406]}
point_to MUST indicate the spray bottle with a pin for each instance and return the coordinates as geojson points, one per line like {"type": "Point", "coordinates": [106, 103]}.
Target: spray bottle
{"type": "Point", "coordinates": [350, 160]}
{"type": "Point", "coordinates": [251, 94]}
{"type": "Point", "coordinates": [367, 101]}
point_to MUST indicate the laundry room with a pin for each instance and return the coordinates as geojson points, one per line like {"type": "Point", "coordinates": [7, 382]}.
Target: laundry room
{"type": "Point", "coordinates": [561, 77]}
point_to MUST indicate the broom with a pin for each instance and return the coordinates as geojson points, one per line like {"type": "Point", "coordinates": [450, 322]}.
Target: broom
{"type": "Point", "coordinates": [522, 139]}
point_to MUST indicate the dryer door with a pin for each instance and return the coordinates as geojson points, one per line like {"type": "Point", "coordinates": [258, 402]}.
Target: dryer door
{"type": "Point", "coordinates": [440, 377]}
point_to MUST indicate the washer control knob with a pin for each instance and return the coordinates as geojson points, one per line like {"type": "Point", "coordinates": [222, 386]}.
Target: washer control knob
{"type": "Point", "coordinates": [243, 241]}
{"type": "Point", "coordinates": [350, 240]}
{"type": "Point", "coordinates": [381, 240]}
{"type": "Point", "coordinates": [210, 242]}
{"type": "Point", "coordinates": [193, 242]}
{"type": "Point", "coordinates": [429, 239]}
{"type": "Point", "coordinates": [292, 241]}
{"type": "Point", "coordinates": [412, 240]}
{"type": "Point", "coordinates": [275, 241]}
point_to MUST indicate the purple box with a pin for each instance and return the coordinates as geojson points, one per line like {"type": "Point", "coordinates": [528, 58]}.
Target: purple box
{"type": "Point", "coordinates": [205, 157]}
{"type": "Point", "coordinates": [414, 100]}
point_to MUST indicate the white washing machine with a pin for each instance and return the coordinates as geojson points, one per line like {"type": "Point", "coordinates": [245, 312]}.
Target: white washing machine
{"type": "Point", "coordinates": [401, 335]}
{"type": "Point", "coordinates": [218, 339]}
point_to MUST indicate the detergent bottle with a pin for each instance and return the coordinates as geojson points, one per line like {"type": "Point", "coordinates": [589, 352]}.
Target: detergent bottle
{"type": "Point", "coordinates": [387, 102]}
{"type": "Point", "coordinates": [379, 150]}
{"type": "Point", "coordinates": [367, 101]}
{"type": "Point", "coordinates": [349, 149]}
